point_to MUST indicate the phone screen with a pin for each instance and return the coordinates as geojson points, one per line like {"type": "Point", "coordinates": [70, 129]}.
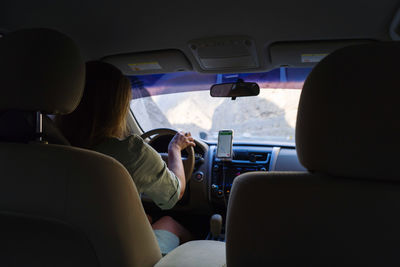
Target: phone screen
{"type": "Point", "coordinates": [224, 148]}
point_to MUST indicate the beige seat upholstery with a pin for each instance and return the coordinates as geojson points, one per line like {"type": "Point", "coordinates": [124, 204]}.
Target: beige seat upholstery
{"type": "Point", "coordinates": [344, 211]}
{"type": "Point", "coordinates": [60, 205]}
{"type": "Point", "coordinates": [198, 253]}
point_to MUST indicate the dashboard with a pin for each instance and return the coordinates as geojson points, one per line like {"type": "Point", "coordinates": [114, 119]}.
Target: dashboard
{"type": "Point", "coordinates": [210, 185]}
{"type": "Point", "coordinates": [245, 159]}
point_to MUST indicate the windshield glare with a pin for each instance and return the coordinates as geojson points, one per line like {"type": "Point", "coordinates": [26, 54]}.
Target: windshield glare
{"type": "Point", "coordinates": [182, 101]}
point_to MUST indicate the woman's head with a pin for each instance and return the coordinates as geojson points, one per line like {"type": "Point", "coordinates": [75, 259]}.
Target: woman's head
{"type": "Point", "coordinates": [103, 108]}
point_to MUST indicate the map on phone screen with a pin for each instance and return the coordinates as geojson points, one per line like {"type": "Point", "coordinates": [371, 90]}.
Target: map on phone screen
{"type": "Point", "coordinates": [224, 148]}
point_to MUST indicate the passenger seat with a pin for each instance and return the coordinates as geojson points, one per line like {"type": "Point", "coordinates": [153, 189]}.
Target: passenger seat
{"type": "Point", "coordinates": [345, 210]}
{"type": "Point", "coordinates": [60, 205]}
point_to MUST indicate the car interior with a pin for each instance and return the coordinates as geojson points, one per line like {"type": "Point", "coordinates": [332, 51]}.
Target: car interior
{"type": "Point", "coordinates": [293, 106]}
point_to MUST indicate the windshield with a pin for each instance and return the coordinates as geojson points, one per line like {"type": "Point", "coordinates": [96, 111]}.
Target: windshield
{"type": "Point", "coordinates": [182, 101]}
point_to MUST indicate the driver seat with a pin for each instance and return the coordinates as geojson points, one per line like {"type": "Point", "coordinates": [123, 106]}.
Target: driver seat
{"type": "Point", "coordinates": [61, 205]}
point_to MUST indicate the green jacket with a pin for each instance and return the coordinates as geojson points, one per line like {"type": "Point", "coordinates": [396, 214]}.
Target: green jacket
{"type": "Point", "coordinates": [146, 167]}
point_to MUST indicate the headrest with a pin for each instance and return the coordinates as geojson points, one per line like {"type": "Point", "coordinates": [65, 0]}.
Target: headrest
{"type": "Point", "coordinates": [40, 70]}
{"type": "Point", "coordinates": [348, 122]}
{"type": "Point", "coordinates": [20, 127]}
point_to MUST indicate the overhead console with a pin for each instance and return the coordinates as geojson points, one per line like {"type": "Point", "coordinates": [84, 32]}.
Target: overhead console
{"type": "Point", "coordinates": [225, 53]}
{"type": "Point", "coordinates": [245, 159]}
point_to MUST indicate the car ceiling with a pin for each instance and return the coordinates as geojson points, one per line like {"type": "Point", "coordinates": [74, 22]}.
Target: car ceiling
{"type": "Point", "coordinates": [104, 28]}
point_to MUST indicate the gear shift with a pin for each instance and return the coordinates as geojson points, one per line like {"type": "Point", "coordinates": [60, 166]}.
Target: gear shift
{"type": "Point", "coordinates": [215, 226]}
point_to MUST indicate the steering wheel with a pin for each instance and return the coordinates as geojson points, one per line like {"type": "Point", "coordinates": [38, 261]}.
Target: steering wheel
{"type": "Point", "coordinates": [188, 163]}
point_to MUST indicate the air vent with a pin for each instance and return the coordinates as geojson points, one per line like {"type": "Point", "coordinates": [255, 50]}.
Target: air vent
{"type": "Point", "coordinates": [257, 156]}
{"type": "Point", "coordinates": [240, 155]}
{"type": "Point", "coordinates": [252, 156]}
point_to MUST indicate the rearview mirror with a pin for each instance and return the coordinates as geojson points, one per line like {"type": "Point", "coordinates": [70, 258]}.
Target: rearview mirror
{"type": "Point", "coordinates": [234, 90]}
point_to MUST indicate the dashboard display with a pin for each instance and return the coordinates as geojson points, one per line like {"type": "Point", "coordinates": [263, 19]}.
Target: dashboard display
{"type": "Point", "coordinates": [224, 148]}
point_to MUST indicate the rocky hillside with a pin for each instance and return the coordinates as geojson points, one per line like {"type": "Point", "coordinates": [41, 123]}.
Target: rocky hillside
{"type": "Point", "coordinates": [271, 115]}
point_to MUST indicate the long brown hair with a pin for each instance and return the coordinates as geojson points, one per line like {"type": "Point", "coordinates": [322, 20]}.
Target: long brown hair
{"type": "Point", "coordinates": [103, 108]}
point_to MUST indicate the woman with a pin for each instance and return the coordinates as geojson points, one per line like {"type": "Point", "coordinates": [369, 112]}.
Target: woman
{"type": "Point", "coordinates": [99, 123]}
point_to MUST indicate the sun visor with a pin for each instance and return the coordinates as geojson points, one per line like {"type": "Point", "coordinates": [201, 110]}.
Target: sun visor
{"type": "Point", "coordinates": [305, 54]}
{"type": "Point", "coordinates": [163, 61]}
{"type": "Point", "coordinates": [222, 54]}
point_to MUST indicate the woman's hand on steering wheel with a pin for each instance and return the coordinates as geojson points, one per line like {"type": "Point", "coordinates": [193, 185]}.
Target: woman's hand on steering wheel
{"type": "Point", "coordinates": [181, 141]}
{"type": "Point", "coordinates": [189, 161]}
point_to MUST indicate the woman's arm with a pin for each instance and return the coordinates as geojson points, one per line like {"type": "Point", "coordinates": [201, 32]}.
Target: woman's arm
{"type": "Point", "coordinates": [179, 142]}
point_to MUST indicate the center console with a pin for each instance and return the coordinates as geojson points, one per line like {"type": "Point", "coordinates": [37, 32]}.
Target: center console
{"type": "Point", "coordinates": [245, 159]}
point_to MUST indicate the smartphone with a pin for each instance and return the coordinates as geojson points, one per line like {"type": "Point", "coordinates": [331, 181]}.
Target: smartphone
{"type": "Point", "coordinates": [224, 147]}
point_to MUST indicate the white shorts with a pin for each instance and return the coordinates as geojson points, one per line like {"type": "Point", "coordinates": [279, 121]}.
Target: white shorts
{"type": "Point", "coordinates": [167, 241]}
